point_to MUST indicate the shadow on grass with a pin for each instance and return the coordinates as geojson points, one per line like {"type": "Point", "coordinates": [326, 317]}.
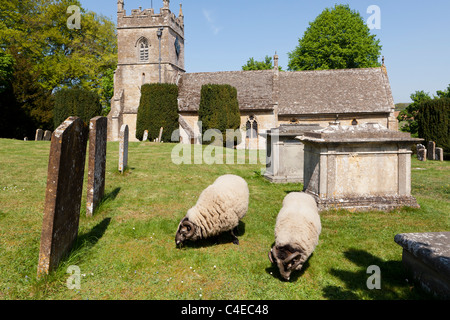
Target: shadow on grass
{"type": "Point", "coordinates": [92, 237]}
{"type": "Point", "coordinates": [223, 238]}
{"type": "Point", "coordinates": [84, 243]}
{"type": "Point", "coordinates": [393, 280]}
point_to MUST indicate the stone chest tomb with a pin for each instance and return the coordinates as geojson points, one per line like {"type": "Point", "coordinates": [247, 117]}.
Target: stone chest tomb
{"type": "Point", "coordinates": [360, 167]}
{"type": "Point", "coordinates": [284, 161]}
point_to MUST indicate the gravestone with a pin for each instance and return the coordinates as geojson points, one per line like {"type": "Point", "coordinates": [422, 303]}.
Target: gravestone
{"type": "Point", "coordinates": [426, 257]}
{"type": "Point", "coordinates": [422, 154]}
{"type": "Point", "coordinates": [123, 148]}
{"type": "Point", "coordinates": [25, 139]}
{"type": "Point", "coordinates": [39, 135]}
{"type": "Point", "coordinates": [47, 135]}
{"type": "Point", "coordinates": [63, 194]}
{"type": "Point", "coordinates": [439, 154]}
{"type": "Point", "coordinates": [431, 150]}
{"type": "Point", "coordinates": [98, 130]}
{"type": "Point", "coordinates": [160, 134]}
{"type": "Point", "coordinates": [145, 138]}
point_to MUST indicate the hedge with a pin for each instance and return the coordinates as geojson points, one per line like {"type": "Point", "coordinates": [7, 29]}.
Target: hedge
{"type": "Point", "coordinates": [219, 109]}
{"type": "Point", "coordinates": [158, 108]}
{"type": "Point", "coordinates": [76, 102]}
{"type": "Point", "coordinates": [434, 122]}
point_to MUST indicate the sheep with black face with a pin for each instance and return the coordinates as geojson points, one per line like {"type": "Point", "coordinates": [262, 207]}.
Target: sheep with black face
{"type": "Point", "coordinates": [297, 231]}
{"type": "Point", "coordinates": [219, 209]}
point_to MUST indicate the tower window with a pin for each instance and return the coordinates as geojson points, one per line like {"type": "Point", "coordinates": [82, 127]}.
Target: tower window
{"type": "Point", "coordinates": [143, 50]}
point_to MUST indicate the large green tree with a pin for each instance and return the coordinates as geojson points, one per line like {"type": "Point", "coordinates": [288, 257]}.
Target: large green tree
{"type": "Point", "coordinates": [337, 39]}
{"type": "Point", "coordinates": [51, 56]}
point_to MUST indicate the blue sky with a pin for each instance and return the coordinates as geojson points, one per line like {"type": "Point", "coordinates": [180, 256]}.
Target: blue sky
{"type": "Point", "coordinates": [223, 35]}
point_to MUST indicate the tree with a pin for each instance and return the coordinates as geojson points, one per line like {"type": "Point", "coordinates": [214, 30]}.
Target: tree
{"type": "Point", "coordinates": [60, 57]}
{"type": "Point", "coordinates": [434, 121]}
{"type": "Point", "coordinates": [76, 102]}
{"type": "Point", "coordinates": [337, 39]}
{"type": "Point", "coordinates": [158, 108]}
{"type": "Point", "coordinates": [252, 64]}
{"type": "Point", "coordinates": [219, 110]}
{"type": "Point", "coordinates": [444, 94]}
{"type": "Point", "coordinates": [409, 114]}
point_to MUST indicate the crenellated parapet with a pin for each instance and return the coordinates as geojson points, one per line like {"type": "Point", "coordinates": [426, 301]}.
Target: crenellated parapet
{"type": "Point", "coordinates": [141, 18]}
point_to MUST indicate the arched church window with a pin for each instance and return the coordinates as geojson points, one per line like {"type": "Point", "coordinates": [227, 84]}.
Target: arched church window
{"type": "Point", "coordinates": [252, 128]}
{"type": "Point", "coordinates": [143, 50]}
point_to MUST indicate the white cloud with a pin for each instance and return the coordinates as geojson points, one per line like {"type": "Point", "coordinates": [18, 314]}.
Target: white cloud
{"type": "Point", "coordinates": [212, 24]}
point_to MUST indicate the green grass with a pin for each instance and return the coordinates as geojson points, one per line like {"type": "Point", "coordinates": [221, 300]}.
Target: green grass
{"type": "Point", "coordinates": [127, 250]}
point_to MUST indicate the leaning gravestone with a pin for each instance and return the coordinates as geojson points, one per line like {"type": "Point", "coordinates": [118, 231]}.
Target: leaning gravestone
{"type": "Point", "coordinates": [123, 148]}
{"type": "Point", "coordinates": [431, 152]}
{"type": "Point", "coordinates": [98, 128]}
{"type": "Point", "coordinates": [145, 138]}
{"type": "Point", "coordinates": [63, 195]}
{"type": "Point", "coordinates": [160, 134]}
{"type": "Point", "coordinates": [39, 135]}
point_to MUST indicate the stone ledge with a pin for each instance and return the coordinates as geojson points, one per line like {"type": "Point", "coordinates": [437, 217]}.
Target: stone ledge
{"type": "Point", "coordinates": [426, 256]}
{"type": "Point", "coordinates": [367, 203]}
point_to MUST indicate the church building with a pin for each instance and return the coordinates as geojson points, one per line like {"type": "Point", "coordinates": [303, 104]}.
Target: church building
{"type": "Point", "coordinates": [151, 49]}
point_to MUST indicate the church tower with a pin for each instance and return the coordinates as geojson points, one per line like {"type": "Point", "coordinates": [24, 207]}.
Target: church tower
{"type": "Point", "coordinates": [150, 50]}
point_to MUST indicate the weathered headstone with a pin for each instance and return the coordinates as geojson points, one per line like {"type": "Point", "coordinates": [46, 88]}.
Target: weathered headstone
{"type": "Point", "coordinates": [422, 154]}
{"type": "Point", "coordinates": [160, 134]}
{"type": "Point", "coordinates": [439, 154]}
{"type": "Point", "coordinates": [431, 150]}
{"type": "Point", "coordinates": [98, 130]}
{"type": "Point", "coordinates": [123, 148]}
{"type": "Point", "coordinates": [39, 135]}
{"type": "Point", "coordinates": [47, 135]}
{"type": "Point", "coordinates": [63, 194]}
{"type": "Point", "coordinates": [25, 139]}
{"type": "Point", "coordinates": [145, 138]}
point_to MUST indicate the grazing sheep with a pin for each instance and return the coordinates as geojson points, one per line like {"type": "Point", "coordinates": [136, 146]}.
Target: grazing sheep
{"type": "Point", "coordinates": [297, 231]}
{"type": "Point", "coordinates": [219, 208]}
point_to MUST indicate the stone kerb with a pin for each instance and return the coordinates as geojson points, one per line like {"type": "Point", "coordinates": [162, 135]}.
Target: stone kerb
{"type": "Point", "coordinates": [426, 257]}
{"type": "Point", "coordinates": [98, 130]}
{"type": "Point", "coordinates": [123, 148]}
{"type": "Point", "coordinates": [63, 194]}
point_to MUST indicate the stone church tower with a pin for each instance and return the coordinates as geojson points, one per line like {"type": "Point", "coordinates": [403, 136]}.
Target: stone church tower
{"type": "Point", "coordinates": [150, 50]}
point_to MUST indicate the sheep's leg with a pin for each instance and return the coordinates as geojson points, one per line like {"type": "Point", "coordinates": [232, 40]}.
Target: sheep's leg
{"type": "Point", "coordinates": [235, 238]}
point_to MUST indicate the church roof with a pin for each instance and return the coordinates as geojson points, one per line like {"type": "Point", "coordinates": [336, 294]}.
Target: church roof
{"type": "Point", "coordinates": [301, 92]}
{"type": "Point", "coordinates": [254, 88]}
{"type": "Point", "coordinates": [335, 91]}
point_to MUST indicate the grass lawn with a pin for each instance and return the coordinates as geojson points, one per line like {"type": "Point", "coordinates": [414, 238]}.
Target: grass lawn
{"type": "Point", "coordinates": [127, 250]}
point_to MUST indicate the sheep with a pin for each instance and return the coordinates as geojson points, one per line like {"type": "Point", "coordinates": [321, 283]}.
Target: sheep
{"type": "Point", "coordinates": [219, 209]}
{"type": "Point", "coordinates": [297, 231]}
